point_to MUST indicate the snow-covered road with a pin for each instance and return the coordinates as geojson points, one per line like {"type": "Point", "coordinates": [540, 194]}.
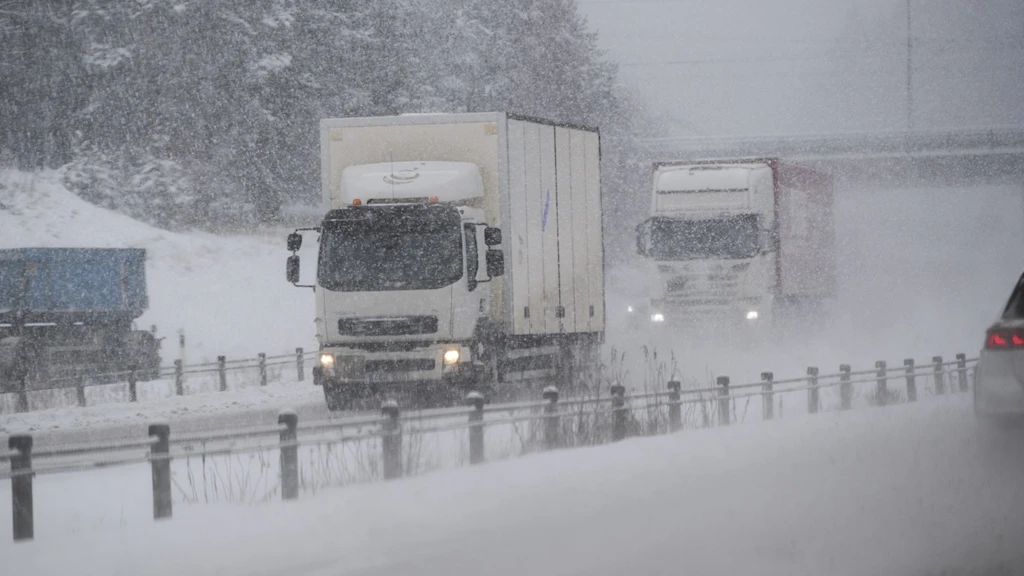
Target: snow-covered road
{"type": "Point", "coordinates": [911, 489]}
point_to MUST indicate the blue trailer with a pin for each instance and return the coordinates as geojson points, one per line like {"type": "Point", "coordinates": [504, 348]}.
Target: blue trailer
{"type": "Point", "coordinates": [69, 312]}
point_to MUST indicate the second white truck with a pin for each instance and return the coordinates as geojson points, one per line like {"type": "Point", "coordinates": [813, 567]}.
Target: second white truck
{"type": "Point", "coordinates": [458, 252]}
{"type": "Point", "coordinates": [738, 243]}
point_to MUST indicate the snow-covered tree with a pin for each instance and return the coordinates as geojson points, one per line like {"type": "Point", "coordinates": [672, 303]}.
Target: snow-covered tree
{"type": "Point", "coordinates": [204, 113]}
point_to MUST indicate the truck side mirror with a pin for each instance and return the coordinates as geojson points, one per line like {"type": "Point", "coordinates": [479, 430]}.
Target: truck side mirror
{"type": "Point", "coordinates": [492, 236]}
{"type": "Point", "coordinates": [495, 263]}
{"type": "Point", "coordinates": [294, 241]}
{"type": "Point", "coordinates": [292, 272]}
{"type": "Point", "coordinates": [640, 248]}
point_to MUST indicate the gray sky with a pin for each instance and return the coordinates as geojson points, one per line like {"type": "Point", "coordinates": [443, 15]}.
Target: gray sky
{"type": "Point", "coordinates": [752, 67]}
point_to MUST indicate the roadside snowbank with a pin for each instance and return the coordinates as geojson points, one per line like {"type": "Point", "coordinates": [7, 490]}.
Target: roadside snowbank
{"type": "Point", "coordinates": [904, 490]}
{"type": "Point", "coordinates": [227, 293]}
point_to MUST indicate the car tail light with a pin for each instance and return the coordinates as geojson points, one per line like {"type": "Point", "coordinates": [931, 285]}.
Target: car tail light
{"type": "Point", "coordinates": [999, 339]}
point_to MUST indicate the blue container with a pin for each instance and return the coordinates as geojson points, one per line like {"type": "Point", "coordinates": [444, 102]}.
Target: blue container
{"type": "Point", "coordinates": [73, 280]}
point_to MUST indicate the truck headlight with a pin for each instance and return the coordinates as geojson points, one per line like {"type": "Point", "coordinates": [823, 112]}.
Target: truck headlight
{"type": "Point", "coordinates": [451, 356]}
{"type": "Point", "coordinates": [657, 317]}
{"type": "Point", "coordinates": [629, 308]}
{"type": "Point", "coordinates": [752, 315]}
{"type": "Point", "coordinates": [327, 361]}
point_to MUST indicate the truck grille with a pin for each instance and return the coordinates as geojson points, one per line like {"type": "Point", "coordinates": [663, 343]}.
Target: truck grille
{"type": "Point", "coordinates": [391, 326]}
{"type": "Point", "coordinates": [717, 285]}
{"type": "Point", "coordinates": [401, 365]}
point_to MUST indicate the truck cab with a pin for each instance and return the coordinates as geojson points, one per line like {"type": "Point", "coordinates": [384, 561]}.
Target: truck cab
{"type": "Point", "coordinates": [405, 256]}
{"type": "Point", "coordinates": [711, 242]}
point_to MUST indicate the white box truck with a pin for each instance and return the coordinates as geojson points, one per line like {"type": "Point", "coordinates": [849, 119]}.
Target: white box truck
{"type": "Point", "coordinates": [458, 252]}
{"type": "Point", "coordinates": [738, 243]}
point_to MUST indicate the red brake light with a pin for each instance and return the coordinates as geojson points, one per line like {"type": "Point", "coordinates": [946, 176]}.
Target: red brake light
{"type": "Point", "coordinates": [996, 340]}
{"type": "Point", "coordinates": [1004, 339]}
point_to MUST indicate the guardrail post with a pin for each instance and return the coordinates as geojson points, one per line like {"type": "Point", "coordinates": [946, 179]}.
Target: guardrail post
{"type": "Point", "coordinates": [812, 389]}
{"type": "Point", "coordinates": [263, 369]}
{"type": "Point", "coordinates": [179, 378]}
{"type": "Point", "coordinates": [391, 440]}
{"type": "Point", "coordinates": [550, 395]}
{"type": "Point", "coordinates": [133, 380]}
{"type": "Point", "coordinates": [300, 369]}
{"type": "Point", "coordinates": [476, 427]}
{"type": "Point", "coordinates": [723, 400]}
{"type": "Point", "coordinates": [911, 380]}
{"type": "Point", "coordinates": [289, 454]}
{"type": "Point", "coordinates": [160, 460]}
{"type": "Point", "coordinates": [845, 387]}
{"type": "Point", "coordinates": [767, 396]}
{"type": "Point", "coordinates": [961, 370]}
{"type": "Point", "coordinates": [882, 388]}
{"type": "Point", "coordinates": [675, 399]}
{"type": "Point", "coordinates": [21, 486]}
{"type": "Point", "coordinates": [80, 389]}
{"type": "Point", "coordinates": [618, 412]}
{"type": "Point", "coordinates": [940, 377]}
{"type": "Point", "coordinates": [222, 372]}
{"type": "Point", "coordinates": [23, 393]}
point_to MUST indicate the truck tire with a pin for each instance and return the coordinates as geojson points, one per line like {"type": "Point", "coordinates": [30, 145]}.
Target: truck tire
{"type": "Point", "coordinates": [335, 397]}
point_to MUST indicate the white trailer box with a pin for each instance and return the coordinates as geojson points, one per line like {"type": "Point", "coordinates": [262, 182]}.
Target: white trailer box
{"type": "Point", "coordinates": [541, 186]}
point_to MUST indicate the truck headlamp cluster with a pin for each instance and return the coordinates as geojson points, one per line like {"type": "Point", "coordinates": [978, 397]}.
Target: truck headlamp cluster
{"type": "Point", "coordinates": [327, 361]}
{"type": "Point", "coordinates": [753, 315]}
{"type": "Point", "coordinates": [657, 317]}
{"type": "Point", "coordinates": [451, 356]}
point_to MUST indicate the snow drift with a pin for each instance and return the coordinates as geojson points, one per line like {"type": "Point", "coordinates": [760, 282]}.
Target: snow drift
{"type": "Point", "coordinates": [227, 293]}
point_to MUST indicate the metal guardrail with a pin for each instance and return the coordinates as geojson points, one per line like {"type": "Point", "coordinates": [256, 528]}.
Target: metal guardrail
{"type": "Point", "coordinates": [177, 371]}
{"type": "Point", "coordinates": [612, 414]}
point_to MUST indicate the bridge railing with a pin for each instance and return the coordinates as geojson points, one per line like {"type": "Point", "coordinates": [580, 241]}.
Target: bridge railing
{"type": "Point", "coordinates": [882, 141]}
{"type": "Point", "coordinates": [552, 422]}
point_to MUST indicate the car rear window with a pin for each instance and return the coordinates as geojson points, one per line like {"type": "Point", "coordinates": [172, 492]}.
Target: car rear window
{"type": "Point", "coordinates": [1015, 307]}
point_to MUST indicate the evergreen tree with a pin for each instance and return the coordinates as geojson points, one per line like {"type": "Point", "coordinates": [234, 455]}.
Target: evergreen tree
{"type": "Point", "coordinates": [205, 113]}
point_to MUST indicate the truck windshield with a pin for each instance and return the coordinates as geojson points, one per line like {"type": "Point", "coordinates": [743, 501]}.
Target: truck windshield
{"type": "Point", "coordinates": [732, 238]}
{"type": "Point", "coordinates": [391, 248]}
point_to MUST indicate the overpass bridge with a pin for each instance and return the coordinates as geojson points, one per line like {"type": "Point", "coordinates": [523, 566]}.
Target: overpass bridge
{"type": "Point", "coordinates": [919, 158]}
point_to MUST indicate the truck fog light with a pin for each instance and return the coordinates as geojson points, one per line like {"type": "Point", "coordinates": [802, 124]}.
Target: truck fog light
{"type": "Point", "coordinates": [451, 356]}
{"type": "Point", "coordinates": [657, 317]}
{"type": "Point", "coordinates": [327, 361]}
{"type": "Point", "coordinates": [752, 315]}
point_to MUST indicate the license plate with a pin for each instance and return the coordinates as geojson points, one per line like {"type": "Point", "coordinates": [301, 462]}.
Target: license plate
{"type": "Point", "coordinates": [351, 368]}
{"type": "Point", "coordinates": [385, 377]}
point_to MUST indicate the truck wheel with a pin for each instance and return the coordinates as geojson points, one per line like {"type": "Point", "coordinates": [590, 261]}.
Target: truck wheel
{"type": "Point", "coordinates": [335, 398]}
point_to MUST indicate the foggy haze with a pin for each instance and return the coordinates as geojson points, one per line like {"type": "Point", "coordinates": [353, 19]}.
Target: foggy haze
{"type": "Point", "coordinates": [193, 130]}
{"type": "Point", "coordinates": [746, 67]}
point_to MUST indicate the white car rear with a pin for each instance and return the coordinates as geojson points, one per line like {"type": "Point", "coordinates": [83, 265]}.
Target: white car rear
{"type": "Point", "coordinates": [999, 380]}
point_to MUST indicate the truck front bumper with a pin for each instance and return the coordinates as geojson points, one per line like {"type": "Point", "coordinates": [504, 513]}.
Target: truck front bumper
{"type": "Point", "coordinates": [740, 314]}
{"type": "Point", "coordinates": [356, 368]}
